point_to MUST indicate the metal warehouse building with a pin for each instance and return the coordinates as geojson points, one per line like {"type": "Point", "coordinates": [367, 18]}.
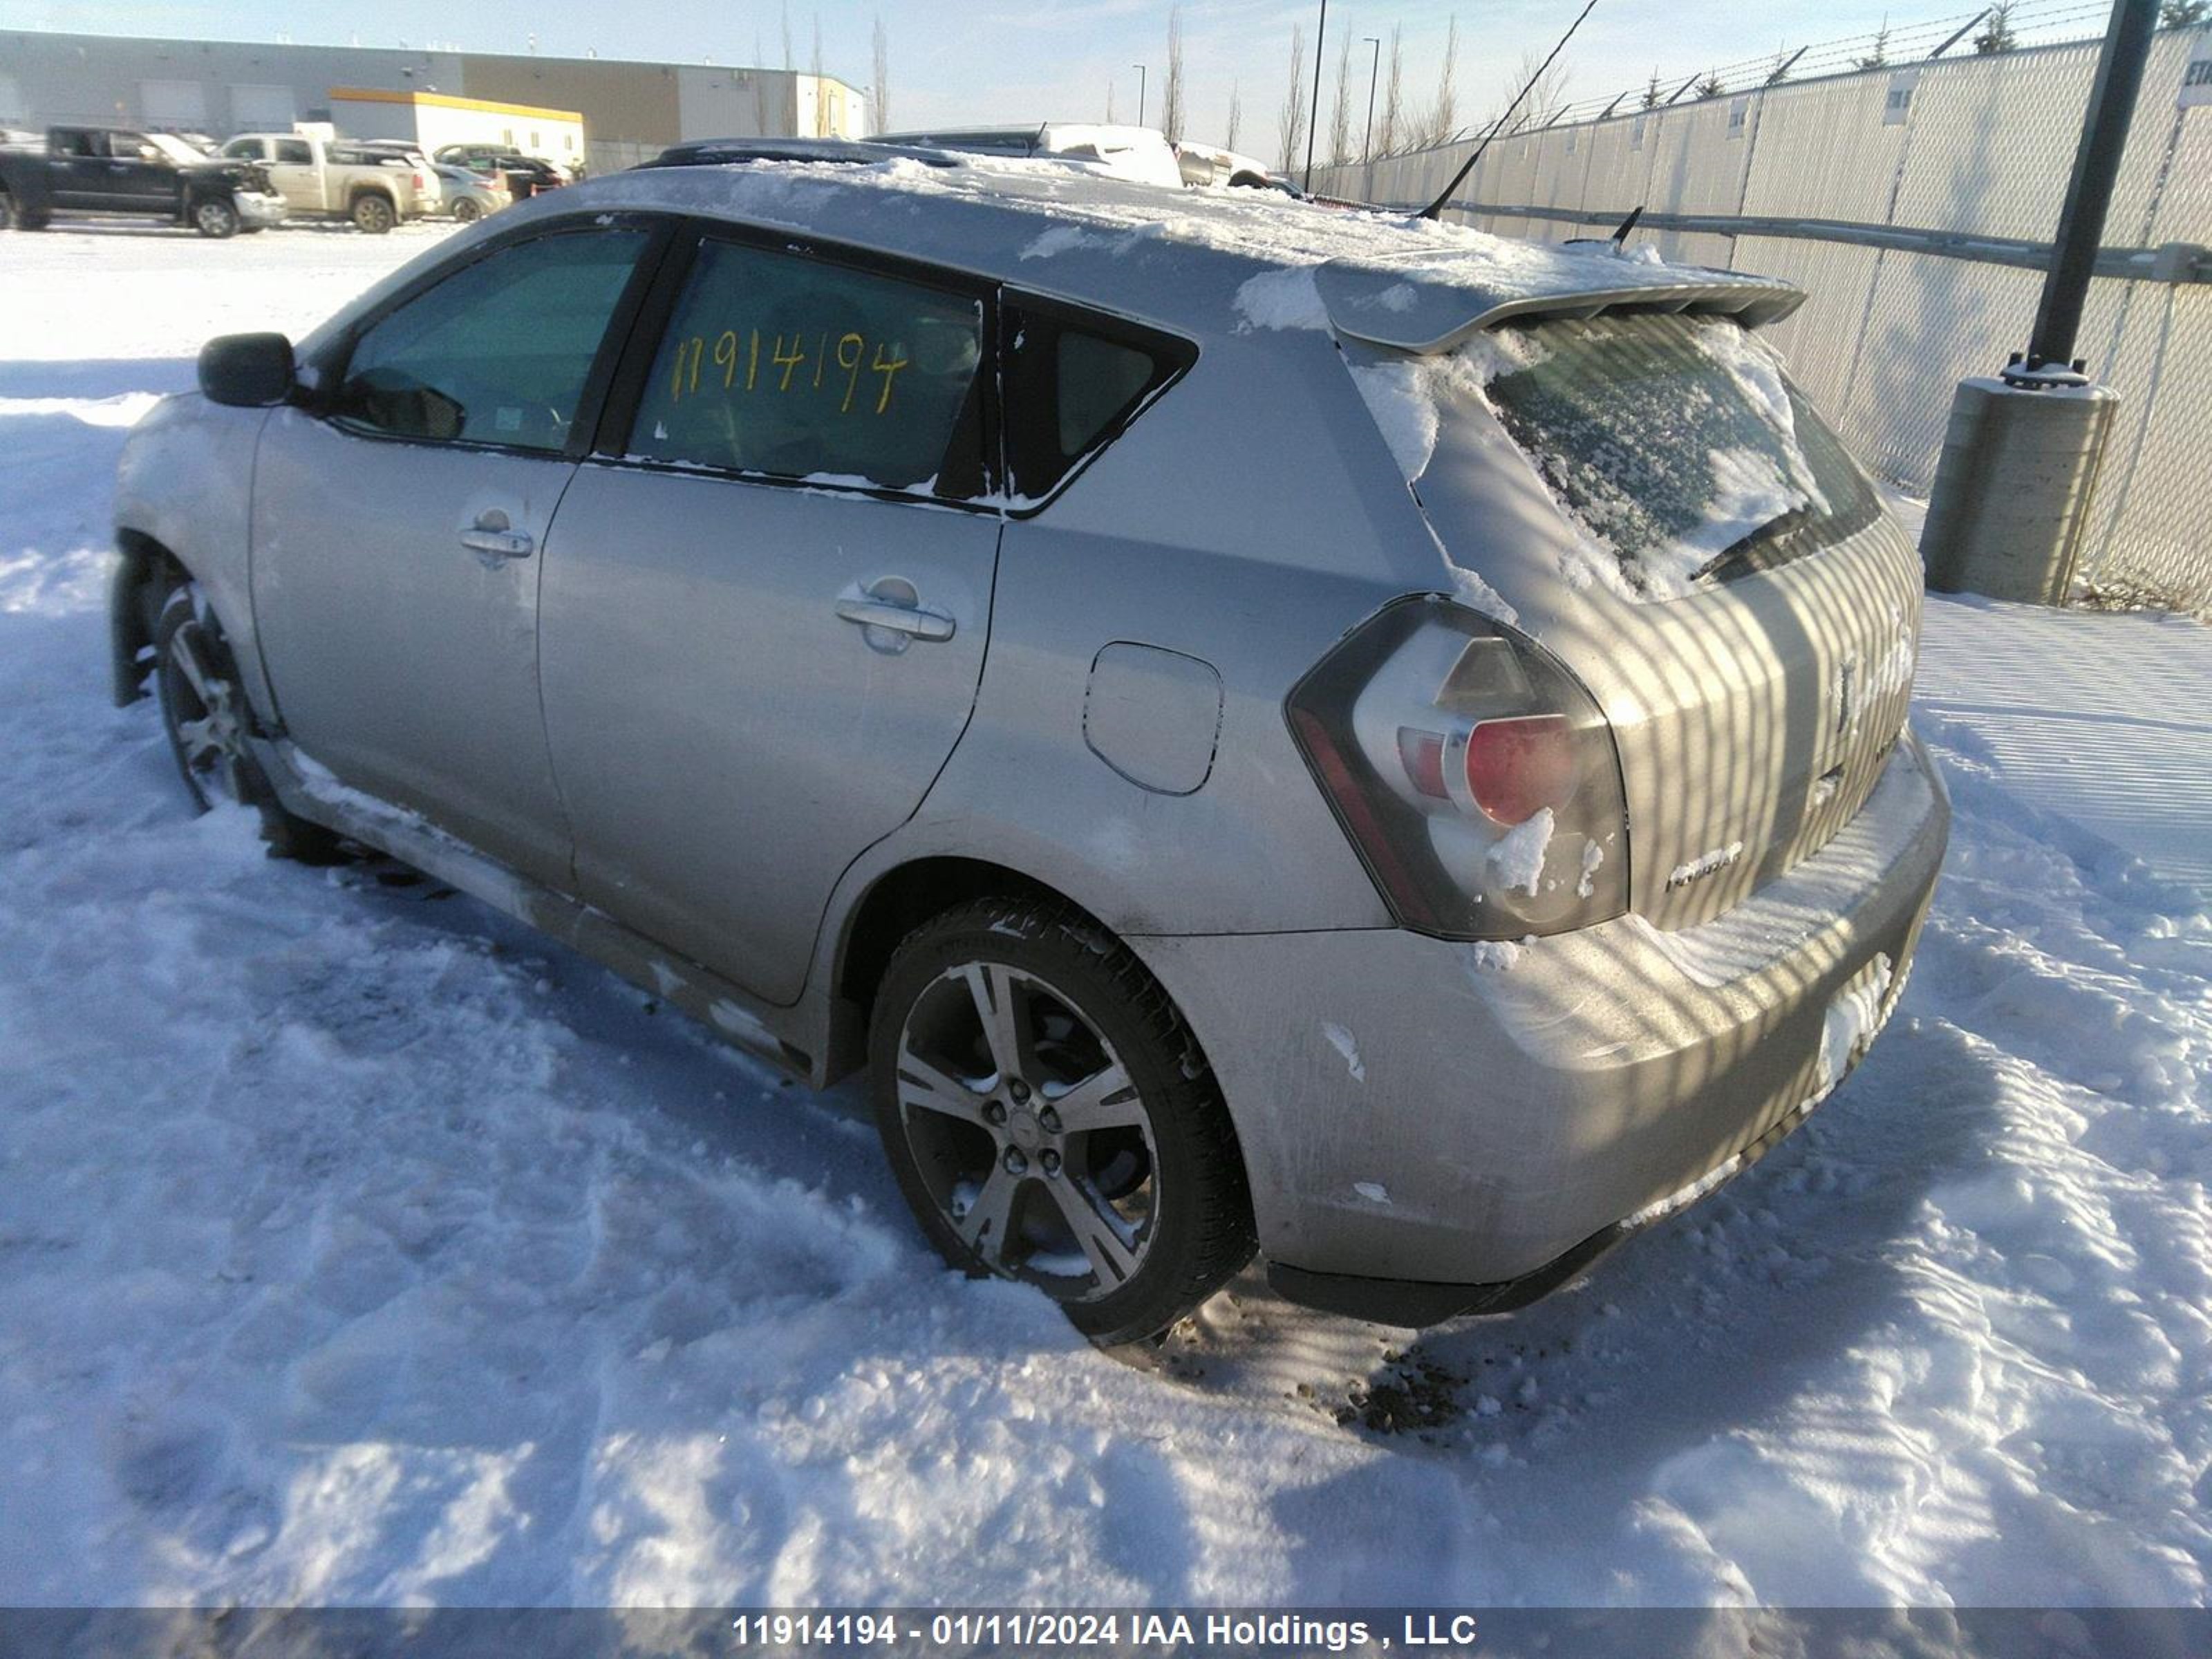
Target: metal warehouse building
{"type": "Point", "coordinates": [628, 111]}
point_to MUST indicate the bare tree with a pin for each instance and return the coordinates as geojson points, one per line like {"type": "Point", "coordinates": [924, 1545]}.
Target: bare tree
{"type": "Point", "coordinates": [789, 62]}
{"type": "Point", "coordinates": [1171, 101]}
{"type": "Point", "coordinates": [1394, 93]}
{"type": "Point", "coordinates": [760, 88]}
{"type": "Point", "coordinates": [2183, 14]}
{"type": "Point", "coordinates": [1443, 117]}
{"type": "Point", "coordinates": [1340, 115]}
{"type": "Point", "coordinates": [1290, 124]}
{"type": "Point", "coordinates": [882, 87]}
{"type": "Point", "coordinates": [1546, 97]}
{"type": "Point", "coordinates": [1236, 116]}
{"type": "Point", "coordinates": [1109, 103]}
{"type": "Point", "coordinates": [821, 104]}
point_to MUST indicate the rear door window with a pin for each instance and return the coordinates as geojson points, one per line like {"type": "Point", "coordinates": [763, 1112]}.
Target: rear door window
{"type": "Point", "coordinates": [1676, 445]}
{"type": "Point", "coordinates": [1074, 381]}
{"type": "Point", "coordinates": [498, 353]}
{"type": "Point", "coordinates": [781, 363]}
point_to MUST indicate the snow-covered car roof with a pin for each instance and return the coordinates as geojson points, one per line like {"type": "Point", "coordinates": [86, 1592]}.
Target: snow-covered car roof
{"type": "Point", "coordinates": [1200, 261]}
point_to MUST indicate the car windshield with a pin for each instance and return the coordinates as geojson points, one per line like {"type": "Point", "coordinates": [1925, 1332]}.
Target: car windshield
{"type": "Point", "coordinates": [1676, 444]}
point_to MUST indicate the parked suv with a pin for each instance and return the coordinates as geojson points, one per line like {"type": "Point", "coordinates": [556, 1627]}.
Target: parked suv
{"type": "Point", "coordinates": [122, 171]}
{"type": "Point", "coordinates": [1262, 727]}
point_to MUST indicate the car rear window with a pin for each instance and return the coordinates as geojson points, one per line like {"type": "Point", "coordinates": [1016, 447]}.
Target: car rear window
{"type": "Point", "coordinates": [1677, 445]}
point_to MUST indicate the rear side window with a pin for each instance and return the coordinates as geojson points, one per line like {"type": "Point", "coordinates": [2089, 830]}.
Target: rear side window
{"type": "Point", "coordinates": [774, 363]}
{"type": "Point", "coordinates": [500, 351]}
{"type": "Point", "coordinates": [1676, 444]}
{"type": "Point", "coordinates": [1073, 382]}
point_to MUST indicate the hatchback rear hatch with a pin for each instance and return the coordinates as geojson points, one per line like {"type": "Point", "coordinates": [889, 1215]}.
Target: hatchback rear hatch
{"type": "Point", "coordinates": [1615, 464]}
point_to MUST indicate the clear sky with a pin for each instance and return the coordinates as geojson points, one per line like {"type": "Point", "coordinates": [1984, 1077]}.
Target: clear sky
{"type": "Point", "coordinates": [1012, 60]}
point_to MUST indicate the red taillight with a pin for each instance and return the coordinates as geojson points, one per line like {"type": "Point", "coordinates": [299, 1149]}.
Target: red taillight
{"type": "Point", "coordinates": [1474, 776]}
{"type": "Point", "coordinates": [419, 183]}
{"type": "Point", "coordinates": [1517, 767]}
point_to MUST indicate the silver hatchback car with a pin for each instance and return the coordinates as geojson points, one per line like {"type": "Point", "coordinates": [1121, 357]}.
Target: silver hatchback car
{"type": "Point", "coordinates": [1260, 726]}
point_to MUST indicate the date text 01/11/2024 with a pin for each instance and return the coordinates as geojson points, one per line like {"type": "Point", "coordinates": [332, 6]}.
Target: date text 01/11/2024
{"type": "Point", "coordinates": [1057, 1629]}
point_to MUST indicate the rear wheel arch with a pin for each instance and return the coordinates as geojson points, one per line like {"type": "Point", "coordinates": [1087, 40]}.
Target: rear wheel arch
{"type": "Point", "coordinates": [896, 903]}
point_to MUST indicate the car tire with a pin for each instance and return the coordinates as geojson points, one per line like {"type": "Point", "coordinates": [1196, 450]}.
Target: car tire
{"type": "Point", "coordinates": [466, 211]}
{"type": "Point", "coordinates": [372, 214]}
{"type": "Point", "coordinates": [1129, 1208]}
{"type": "Point", "coordinates": [205, 714]}
{"type": "Point", "coordinates": [214, 219]}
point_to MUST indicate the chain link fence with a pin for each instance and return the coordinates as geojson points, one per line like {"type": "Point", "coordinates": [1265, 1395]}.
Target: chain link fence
{"type": "Point", "coordinates": [1824, 178]}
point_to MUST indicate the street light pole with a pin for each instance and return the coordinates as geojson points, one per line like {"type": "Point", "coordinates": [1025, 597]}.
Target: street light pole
{"type": "Point", "coordinates": [1321, 52]}
{"type": "Point", "coordinates": [1367, 143]}
{"type": "Point", "coordinates": [1140, 68]}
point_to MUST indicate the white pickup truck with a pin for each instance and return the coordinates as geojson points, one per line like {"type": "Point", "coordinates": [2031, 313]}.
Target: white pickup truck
{"type": "Point", "coordinates": [331, 179]}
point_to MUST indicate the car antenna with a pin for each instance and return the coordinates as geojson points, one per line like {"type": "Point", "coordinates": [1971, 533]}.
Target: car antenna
{"type": "Point", "coordinates": [1499, 125]}
{"type": "Point", "coordinates": [1620, 236]}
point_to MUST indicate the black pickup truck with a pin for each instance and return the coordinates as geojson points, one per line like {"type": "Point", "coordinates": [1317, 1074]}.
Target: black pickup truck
{"type": "Point", "coordinates": [115, 170]}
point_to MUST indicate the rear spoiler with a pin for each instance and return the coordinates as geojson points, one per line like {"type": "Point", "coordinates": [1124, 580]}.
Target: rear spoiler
{"type": "Point", "coordinates": [1434, 303]}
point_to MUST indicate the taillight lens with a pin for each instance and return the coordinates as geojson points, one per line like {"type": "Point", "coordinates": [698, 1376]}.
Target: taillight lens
{"type": "Point", "coordinates": [1475, 776]}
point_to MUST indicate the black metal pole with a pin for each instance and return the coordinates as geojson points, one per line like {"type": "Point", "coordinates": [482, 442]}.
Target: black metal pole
{"type": "Point", "coordinates": [2096, 166]}
{"type": "Point", "coordinates": [1367, 143]}
{"type": "Point", "coordinates": [1321, 34]}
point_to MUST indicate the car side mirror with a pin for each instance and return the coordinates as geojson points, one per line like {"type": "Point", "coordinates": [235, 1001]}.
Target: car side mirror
{"type": "Point", "coordinates": [247, 371]}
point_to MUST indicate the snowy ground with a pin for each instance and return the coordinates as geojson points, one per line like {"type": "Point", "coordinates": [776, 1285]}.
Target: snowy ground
{"type": "Point", "coordinates": [356, 1245]}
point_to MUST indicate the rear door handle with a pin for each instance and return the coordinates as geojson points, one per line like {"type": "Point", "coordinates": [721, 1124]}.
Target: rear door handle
{"type": "Point", "coordinates": [498, 543]}
{"type": "Point", "coordinates": [899, 618]}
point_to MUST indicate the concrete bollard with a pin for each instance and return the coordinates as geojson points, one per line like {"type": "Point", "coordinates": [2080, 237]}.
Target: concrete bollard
{"type": "Point", "coordinates": [2013, 487]}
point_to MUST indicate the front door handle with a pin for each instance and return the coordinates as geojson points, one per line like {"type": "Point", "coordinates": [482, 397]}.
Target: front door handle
{"type": "Point", "coordinates": [899, 618]}
{"type": "Point", "coordinates": [498, 543]}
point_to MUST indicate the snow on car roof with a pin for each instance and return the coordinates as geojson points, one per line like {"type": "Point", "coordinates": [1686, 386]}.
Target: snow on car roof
{"type": "Point", "coordinates": [1202, 261]}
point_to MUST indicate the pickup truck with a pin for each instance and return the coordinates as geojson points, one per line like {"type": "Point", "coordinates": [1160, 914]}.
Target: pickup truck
{"type": "Point", "coordinates": [116, 170]}
{"type": "Point", "coordinates": [326, 178]}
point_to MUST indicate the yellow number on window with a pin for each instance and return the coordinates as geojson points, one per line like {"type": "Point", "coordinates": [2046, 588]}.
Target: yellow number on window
{"type": "Point", "coordinates": [851, 366]}
{"type": "Point", "coordinates": [725, 355]}
{"type": "Point", "coordinates": [888, 367]}
{"type": "Point", "coordinates": [777, 359]}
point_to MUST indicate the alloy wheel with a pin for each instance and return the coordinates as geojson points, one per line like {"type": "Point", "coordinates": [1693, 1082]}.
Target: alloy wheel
{"type": "Point", "coordinates": [1032, 1139]}
{"type": "Point", "coordinates": [204, 712]}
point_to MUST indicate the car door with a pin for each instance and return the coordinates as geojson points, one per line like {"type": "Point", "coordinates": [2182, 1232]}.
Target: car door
{"type": "Point", "coordinates": [77, 165]}
{"type": "Point", "coordinates": [765, 602]}
{"type": "Point", "coordinates": [400, 516]}
{"type": "Point", "coordinates": [295, 176]}
{"type": "Point", "coordinates": [140, 177]}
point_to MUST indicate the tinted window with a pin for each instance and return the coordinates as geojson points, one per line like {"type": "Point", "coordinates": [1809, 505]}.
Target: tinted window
{"type": "Point", "coordinates": [781, 364]}
{"type": "Point", "coordinates": [294, 152]}
{"type": "Point", "coordinates": [497, 353]}
{"type": "Point", "coordinates": [1071, 385]}
{"type": "Point", "coordinates": [251, 149]}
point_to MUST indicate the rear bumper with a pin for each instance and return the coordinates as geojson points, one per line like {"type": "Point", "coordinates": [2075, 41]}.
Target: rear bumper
{"type": "Point", "coordinates": [256, 209]}
{"type": "Point", "coordinates": [1434, 1128]}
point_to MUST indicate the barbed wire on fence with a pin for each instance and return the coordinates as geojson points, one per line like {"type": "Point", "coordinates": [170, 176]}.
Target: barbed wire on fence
{"type": "Point", "coordinates": [1897, 46]}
